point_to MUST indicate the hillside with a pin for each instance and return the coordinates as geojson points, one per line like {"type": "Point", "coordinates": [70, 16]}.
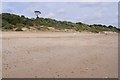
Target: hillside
{"type": "Point", "coordinates": [12, 22]}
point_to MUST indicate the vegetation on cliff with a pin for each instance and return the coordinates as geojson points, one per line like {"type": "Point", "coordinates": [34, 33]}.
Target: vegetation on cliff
{"type": "Point", "coordinates": [12, 22]}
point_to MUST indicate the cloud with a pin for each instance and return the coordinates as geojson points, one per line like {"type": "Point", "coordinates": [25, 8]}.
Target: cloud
{"type": "Point", "coordinates": [88, 19]}
{"type": "Point", "coordinates": [7, 7]}
{"type": "Point", "coordinates": [29, 11]}
{"type": "Point", "coordinates": [90, 4]}
{"type": "Point", "coordinates": [50, 15]}
{"type": "Point", "coordinates": [0, 7]}
{"type": "Point", "coordinates": [60, 1]}
{"type": "Point", "coordinates": [61, 11]}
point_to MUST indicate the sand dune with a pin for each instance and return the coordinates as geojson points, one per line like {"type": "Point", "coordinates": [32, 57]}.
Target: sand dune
{"type": "Point", "coordinates": [59, 54]}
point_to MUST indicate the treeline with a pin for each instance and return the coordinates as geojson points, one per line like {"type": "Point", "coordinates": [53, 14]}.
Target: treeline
{"type": "Point", "coordinates": [11, 22]}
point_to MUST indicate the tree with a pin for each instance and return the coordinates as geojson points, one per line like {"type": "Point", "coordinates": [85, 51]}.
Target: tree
{"type": "Point", "coordinates": [22, 16]}
{"type": "Point", "coordinates": [110, 26]}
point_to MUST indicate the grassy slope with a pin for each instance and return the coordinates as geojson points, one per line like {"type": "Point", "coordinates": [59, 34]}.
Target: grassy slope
{"type": "Point", "coordinates": [12, 22]}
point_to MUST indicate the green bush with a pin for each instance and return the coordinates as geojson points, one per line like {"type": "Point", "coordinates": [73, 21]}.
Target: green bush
{"type": "Point", "coordinates": [12, 21]}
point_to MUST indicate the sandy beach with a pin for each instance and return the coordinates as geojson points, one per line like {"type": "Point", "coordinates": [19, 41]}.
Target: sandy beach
{"type": "Point", "coordinates": [59, 55]}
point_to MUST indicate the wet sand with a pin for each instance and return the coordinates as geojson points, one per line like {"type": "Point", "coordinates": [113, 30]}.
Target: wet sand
{"type": "Point", "coordinates": [59, 55]}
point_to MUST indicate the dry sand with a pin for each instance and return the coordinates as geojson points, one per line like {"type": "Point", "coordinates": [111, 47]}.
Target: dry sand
{"type": "Point", "coordinates": [59, 55]}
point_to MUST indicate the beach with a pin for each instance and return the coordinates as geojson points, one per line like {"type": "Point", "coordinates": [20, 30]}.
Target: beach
{"type": "Point", "coordinates": [59, 55]}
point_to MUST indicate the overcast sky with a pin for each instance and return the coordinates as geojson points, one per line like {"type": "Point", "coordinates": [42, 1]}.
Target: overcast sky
{"type": "Point", "coordinates": [105, 13]}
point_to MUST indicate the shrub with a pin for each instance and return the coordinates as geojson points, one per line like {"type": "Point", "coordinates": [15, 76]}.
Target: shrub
{"type": "Point", "coordinates": [19, 29]}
